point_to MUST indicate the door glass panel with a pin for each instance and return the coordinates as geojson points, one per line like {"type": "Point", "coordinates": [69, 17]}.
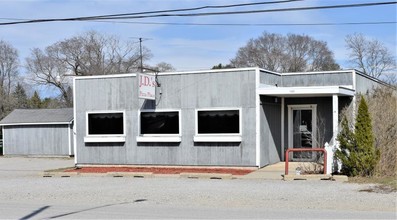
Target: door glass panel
{"type": "Point", "coordinates": [302, 132]}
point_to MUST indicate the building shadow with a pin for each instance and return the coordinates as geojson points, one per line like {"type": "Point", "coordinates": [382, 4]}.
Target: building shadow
{"type": "Point", "coordinates": [35, 212]}
{"type": "Point", "coordinates": [93, 208]}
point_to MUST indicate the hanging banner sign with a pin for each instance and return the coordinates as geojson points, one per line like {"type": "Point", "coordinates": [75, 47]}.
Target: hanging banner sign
{"type": "Point", "coordinates": [146, 86]}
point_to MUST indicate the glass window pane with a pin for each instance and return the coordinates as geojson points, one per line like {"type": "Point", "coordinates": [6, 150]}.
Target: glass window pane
{"type": "Point", "coordinates": [159, 122]}
{"type": "Point", "coordinates": [105, 123]}
{"type": "Point", "coordinates": [216, 122]}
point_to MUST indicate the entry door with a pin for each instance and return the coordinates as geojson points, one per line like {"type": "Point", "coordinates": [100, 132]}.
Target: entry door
{"type": "Point", "coordinates": [302, 129]}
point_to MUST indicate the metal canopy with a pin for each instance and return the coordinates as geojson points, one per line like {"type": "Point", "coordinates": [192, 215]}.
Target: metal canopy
{"type": "Point", "coordinates": [309, 91]}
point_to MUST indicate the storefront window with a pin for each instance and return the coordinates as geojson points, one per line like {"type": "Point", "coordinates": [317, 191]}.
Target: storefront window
{"type": "Point", "coordinates": [105, 123]}
{"type": "Point", "coordinates": [218, 122]}
{"type": "Point", "coordinates": [159, 122]}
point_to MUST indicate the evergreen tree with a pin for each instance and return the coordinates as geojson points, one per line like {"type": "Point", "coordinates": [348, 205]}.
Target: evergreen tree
{"type": "Point", "coordinates": [357, 151]}
{"type": "Point", "coordinates": [45, 103]}
{"type": "Point", "coordinates": [348, 150]}
{"type": "Point", "coordinates": [369, 156]}
{"type": "Point", "coordinates": [69, 91]}
{"type": "Point", "coordinates": [221, 66]}
{"type": "Point", "coordinates": [21, 99]}
{"type": "Point", "coordinates": [35, 101]}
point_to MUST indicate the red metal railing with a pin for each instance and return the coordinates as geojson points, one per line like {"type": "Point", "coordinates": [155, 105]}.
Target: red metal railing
{"type": "Point", "coordinates": [305, 150]}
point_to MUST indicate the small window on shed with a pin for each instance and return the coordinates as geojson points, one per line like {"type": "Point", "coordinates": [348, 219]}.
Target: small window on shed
{"type": "Point", "coordinates": [105, 123]}
{"type": "Point", "coordinates": [218, 122]}
{"type": "Point", "coordinates": [166, 122]}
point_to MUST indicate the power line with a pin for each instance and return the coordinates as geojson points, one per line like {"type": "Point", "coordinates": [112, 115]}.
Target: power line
{"type": "Point", "coordinates": [254, 11]}
{"type": "Point", "coordinates": [254, 24]}
{"type": "Point", "coordinates": [154, 12]}
{"type": "Point", "coordinates": [178, 10]}
{"type": "Point", "coordinates": [237, 24]}
{"type": "Point", "coordinates": [201, 14]}
{"type": "Point", "coordinates": [194, 9]}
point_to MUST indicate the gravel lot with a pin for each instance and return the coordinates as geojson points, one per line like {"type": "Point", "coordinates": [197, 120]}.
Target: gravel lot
{"type": "Point", "coordinates": [25, 194]}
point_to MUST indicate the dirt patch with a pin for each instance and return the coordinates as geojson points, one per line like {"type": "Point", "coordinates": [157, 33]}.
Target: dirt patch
{"type": "Point", "coordinates": [379, 189]}
{"type": "Point", "coordinates": [160, 170]}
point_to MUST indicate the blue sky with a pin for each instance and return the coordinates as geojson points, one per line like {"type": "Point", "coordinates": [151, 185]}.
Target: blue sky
{"type": "Point", "coordinates": [192, 47]}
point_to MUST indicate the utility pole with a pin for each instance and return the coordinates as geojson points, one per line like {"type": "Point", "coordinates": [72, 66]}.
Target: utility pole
{"type": "Point", "coordinates": [140, 49]}
{"type": "Point", "coordinates": [141, 39]}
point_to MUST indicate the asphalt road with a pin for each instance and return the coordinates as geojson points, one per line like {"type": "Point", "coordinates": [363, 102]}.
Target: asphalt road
{"type": "Point", "coordinates": [26, 195]}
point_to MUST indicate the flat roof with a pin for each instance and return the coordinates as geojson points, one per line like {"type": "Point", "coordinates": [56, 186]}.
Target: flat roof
{"type": "Point", "coordinates": [209, 71]}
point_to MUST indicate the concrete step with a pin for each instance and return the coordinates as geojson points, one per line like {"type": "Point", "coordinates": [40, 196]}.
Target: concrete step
{"type": "Point", "coordinates": [339, 178]}
{"type": "Point", "coordinates": [206, 176]}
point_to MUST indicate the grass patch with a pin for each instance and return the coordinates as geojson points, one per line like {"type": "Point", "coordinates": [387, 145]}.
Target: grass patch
{"type": "Point", "coordinates": [384, 184]}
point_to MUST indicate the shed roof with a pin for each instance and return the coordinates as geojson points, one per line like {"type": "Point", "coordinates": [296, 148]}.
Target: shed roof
{"type": "Point", "coordinates": [38, 116]}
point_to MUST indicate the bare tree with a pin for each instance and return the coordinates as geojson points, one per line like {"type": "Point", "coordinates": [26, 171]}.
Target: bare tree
{"type": "Point", "coordinates": [164, 67]}
{"type": "Point", "coordinates": [49, 71]}
{"type": "Point", "coordinates": [369, 55]}
{"type": "Point", "coordinates": [291, 53]}
{"type": "Point", "coordinates": [391, 78]}
{"type": "Point", "coordinates": [9, 63]}
{"type": "Point", "coordinates": [91, 53]}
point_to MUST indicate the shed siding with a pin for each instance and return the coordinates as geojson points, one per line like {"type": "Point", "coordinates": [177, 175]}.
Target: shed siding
{"type": "Point", "coordinates": [270, 127]}
{"type": "Point", "coordinates": [101, 95]}
{"type": "Point", "coordinates": [185, 92]}
{"type": "Point", "coordinates": [270, 78]}
{"type": "Point", "coordinates": [318, 79]}
{"type": "Point", "coordinates": [36, 140]}
{"type": "Point", "coordinates": [365, 84]}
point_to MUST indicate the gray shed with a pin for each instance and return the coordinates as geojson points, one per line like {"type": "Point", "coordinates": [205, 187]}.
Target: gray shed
{"type": "Point", "coordinates": [47, 132]}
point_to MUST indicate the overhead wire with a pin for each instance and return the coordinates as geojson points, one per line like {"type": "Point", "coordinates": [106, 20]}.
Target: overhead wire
{"type": "Point", "coordinates": [195, 8]}
{"type": "Point", "coordinates": [178, 10]}
{"type": "Point", "coordinates": [254, 24]}
{"type": "Point", "coordinates": [115, 16]}
{"type": "Point", "coordinates": [254, 11]}
{"type": "Point", "coordinates": [238, 24]}
{"type": "Point", "coordinates": [201, 14]}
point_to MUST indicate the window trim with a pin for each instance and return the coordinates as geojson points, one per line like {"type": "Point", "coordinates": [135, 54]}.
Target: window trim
{"type": "Point", "coordinates": [159, 137]}
{"type": "Point", "coordinates": [105, 137]}
{"type": "Point", "coordinates": [218, 137]}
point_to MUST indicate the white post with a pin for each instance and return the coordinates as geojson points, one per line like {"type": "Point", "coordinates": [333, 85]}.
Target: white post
{"type": "Point", "coordinates": [70, 140]}
{"type": "Point", "coordinates": [2, 130]}
{"type": "Point", "coordinates": [335, 118]}
{"type": "Point", "coordinates": [330, 157]}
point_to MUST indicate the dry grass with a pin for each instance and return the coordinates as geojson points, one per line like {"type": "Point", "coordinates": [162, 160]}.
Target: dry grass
{"type": "Point", "coordinates": [382, 104]}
